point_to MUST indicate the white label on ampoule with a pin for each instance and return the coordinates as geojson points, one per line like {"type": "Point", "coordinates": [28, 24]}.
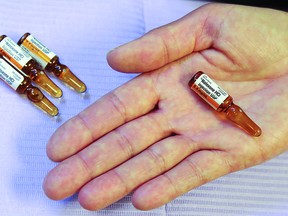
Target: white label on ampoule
{"type": "Point", "coordinates": [9, 75]}
{"type": "Point", "coordinates": [14, 53]}
{"type": "Point", "coordinates": [209, 91]}
{"type": "Point", "coordinates": [37, 50]}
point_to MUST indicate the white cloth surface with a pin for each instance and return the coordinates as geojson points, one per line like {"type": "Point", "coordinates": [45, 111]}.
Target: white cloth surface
{"type": "Point", "coordinates": [81, 33]}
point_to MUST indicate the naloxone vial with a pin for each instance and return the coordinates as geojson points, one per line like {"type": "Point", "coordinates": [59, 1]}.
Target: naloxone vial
{"type": "Point", "coordinates": [221, 101]}
{"type": "Point", "coordinates": [25, 63]}
{"type": "Point", "coordinates": [50, 61]}
{"type": "Point", "coordinates": [22, 85]}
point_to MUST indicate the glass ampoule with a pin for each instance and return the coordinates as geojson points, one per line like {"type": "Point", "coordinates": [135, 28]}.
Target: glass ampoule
{"type": "Point", "coordinates": [26, 64]}
{"type": "Point", "coordinates": [50, 62]}
{"type": "Point", "coordinates": [221, 101]}
{"type": "Point", "coordinates": [22, 85]}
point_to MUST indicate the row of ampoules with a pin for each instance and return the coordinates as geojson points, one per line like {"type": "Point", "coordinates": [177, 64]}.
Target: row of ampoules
{"type": "Point", "coordinates": [29, 60]}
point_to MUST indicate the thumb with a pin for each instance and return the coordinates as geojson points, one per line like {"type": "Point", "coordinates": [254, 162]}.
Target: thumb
{"type": "Point", "coordinates": [168, 43]}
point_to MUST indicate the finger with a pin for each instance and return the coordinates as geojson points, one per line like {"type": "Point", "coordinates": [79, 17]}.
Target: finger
{"type": "Point", "coordinates": [168, 43]}
{"type": "Point", "coordinates": [104, 154]}
{"type": "Point", "coordinates": [129, 101]}
{"type": "Point", "coordinates": [115, 184]}
{"type": "Point", "coordinates": [196, 170]}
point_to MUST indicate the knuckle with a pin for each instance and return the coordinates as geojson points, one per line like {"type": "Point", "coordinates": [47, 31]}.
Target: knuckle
{"type": "Point", "coordinates": [84, 123]}
{"type": "Point", "coordinates": [85, 165]}
{"type": "Point", "coordinates": [125, 143]}
{"type": "Point", "coordinates": [123, 183]}
{"type": "Point", "coordinates": [229, 162]}
{"type": "Point", "coordinates": [161, 122]}
{"type": "Point", "coordinates": [118, 105]}
{"type": "Point", "coordinates": [172, 184]}
{"type": "Point", "coordinates": [158, 159]}
{"type": "Point", "coordinates": [191, 144]}
{"type": "Point", "coordinates": [197, 172]}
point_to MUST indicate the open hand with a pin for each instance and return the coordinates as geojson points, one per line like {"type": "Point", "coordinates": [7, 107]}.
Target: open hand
{"type": "Point", "coordinates": [155, 137]}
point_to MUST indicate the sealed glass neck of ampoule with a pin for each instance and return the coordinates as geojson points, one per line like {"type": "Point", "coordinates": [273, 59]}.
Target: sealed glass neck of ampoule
{"type": "Point", "coordinates": [207, 89]}
{"type": "Point", "coordinates": [14, 53]}
{"type": "Point", "coordinates": [37, 50]}
{"type": "Point", "coordinates": [9, 75]}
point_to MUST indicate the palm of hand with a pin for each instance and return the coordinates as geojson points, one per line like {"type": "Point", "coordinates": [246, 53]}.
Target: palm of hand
{"type": "Point", "coordinates": [256, 79]}
{"type": "Point", "coordinates": [183, 142]}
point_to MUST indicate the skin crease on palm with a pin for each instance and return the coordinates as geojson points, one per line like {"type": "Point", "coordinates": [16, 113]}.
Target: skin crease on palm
{"type": "Point", "coordinates": [156, 138]}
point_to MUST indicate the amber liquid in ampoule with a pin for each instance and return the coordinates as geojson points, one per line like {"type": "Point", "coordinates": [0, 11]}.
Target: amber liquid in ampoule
{"type": "Point", "coordinates": [50, 62]}
{"type": "Point", "coordinates": [22, 85]}
{"type": "Point", "coordinates": [221, 101]}
{"type": "Point", "coordinates": [26, 64]}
